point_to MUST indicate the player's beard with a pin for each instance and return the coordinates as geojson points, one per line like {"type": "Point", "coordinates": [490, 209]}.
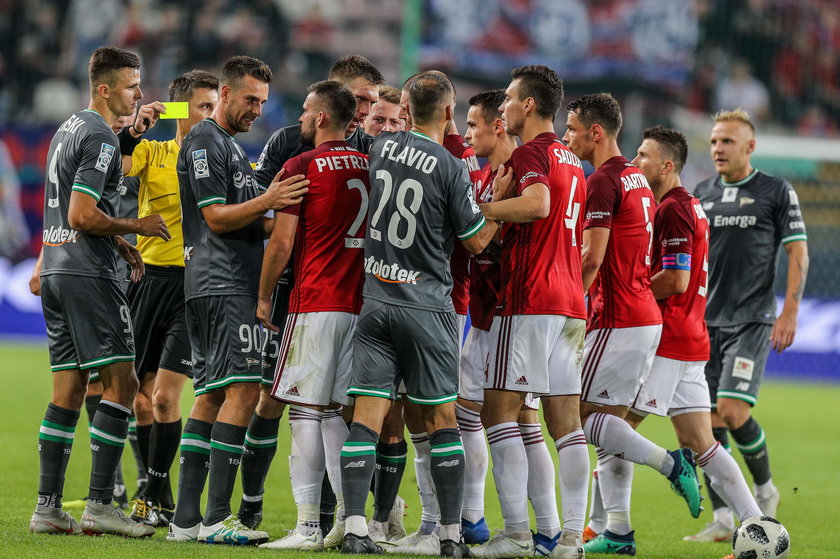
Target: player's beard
{"type": "Point", "coordinates": [238, 123]}
{"type": "Point", "coordinates": [307, 133]}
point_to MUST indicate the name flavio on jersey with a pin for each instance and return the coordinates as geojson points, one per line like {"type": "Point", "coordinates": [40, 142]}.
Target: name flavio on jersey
{"type": "Point", "coordinates": [409, 156]}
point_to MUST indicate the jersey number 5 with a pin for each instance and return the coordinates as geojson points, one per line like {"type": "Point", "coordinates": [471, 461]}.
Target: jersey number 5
{"type": "Point", "coordinates": [407, 213]}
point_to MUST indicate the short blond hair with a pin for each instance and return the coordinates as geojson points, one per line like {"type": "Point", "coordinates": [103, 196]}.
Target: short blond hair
{"type": "Point", "coordinates": [735, 115]}
{"type": "Point", "coordinates": [389, 94]}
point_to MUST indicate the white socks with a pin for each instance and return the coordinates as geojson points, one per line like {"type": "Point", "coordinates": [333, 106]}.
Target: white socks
{"type": "Point", "coordinates": [573, 475]}
{"type": "Point", "coordinates": [541, 490]}
{"type": "Point", "coordinates": [306, 466]}
{"type": "Point", "coordinates": [510, 471]}
{"type": "Point", "coordinates": [728, 482]}
{"type": "Point", "coordinates": [477, 461]}
{"type": "Point", "coordinates": [422, 469]}
{"type": "Point", "coordinates": [616, 437]}
{"type": "Point", "coordinates": [334, 432]}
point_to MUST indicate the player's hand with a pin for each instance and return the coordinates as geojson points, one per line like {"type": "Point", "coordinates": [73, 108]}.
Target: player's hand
{"type": "Point", "coordinates": [147, 116]}
{"type": "Point", "coordinates": [154, 226]}
{"type": "Point", "coordinates": [784, 330]}
{"type": "Point", "coordinates": [264, 314]}
{"type": "Point", "coordinates": [130, 254]}
{"type": "Point", "coordinates": [287, 192]}
{"type": "Point", "coordinates": [35, 283]}
{"type": "Point", "coordinates": [503, 184]}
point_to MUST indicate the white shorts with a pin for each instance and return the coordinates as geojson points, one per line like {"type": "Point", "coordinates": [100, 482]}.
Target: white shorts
{"type": "Point", "coordinates": [673, 388]}
{"type": "Point", "coordinates": [531, 402]}
{"type": "Point", "coordinates": [475, 356]}
{"type": "Point", "coordinates": [616, 362]}
{"type": "Point", "coordinates": [315, 359]}
{"type": "Point", "coordinates": [536, 353]}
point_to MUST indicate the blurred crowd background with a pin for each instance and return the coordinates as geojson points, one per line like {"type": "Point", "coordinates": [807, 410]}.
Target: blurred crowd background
{"type": "Point", "coordinates": [668, 62]}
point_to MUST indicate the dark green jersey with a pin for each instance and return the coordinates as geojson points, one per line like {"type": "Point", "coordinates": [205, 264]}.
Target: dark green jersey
{"type": "Point", "coordinates": [420, 200]}
{"type": "Point", "coordinates": [83, 157]}
{"type": "Point", "coordinates": [213, 169]}
{"type": "Point", "coordinates": [748, 220]}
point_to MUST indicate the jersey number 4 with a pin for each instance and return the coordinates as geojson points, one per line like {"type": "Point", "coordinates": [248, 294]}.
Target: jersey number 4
{"type": "Point", "coordinates": [405, 212]}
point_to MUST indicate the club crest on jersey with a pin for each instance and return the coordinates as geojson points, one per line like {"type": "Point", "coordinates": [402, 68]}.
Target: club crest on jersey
{"type": "Point", "coordinates": [200, 167]}
{"type": "Point", "coordinates": [729, 194]}
{"type": "Point", "coordinates": [106, 153]}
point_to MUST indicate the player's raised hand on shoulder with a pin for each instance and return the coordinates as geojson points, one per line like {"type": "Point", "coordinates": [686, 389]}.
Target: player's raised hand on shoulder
{"type": "Point", "coordinates": [502, 184]}
{"type": "Point", "coordinates": [130, 254]}
{"type": "Point", "coordinates": [147, 116]}
{"type": "Point", "coordinates": [282, 193]}
{"type": "Point", "coordinates": [264, 314]}
{"type": "Point", "coordinates": [784, 330]}
{"type": "Point", "coordinates": [153, 226]}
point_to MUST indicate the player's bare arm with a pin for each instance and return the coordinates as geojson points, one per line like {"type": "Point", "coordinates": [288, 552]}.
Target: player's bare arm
{"type": "Point", "coordinates": [480, 240]}
{"type": "Point", "coordinates": [595, 240]}
{"type": "Point", "coordinates": [784, 329]}
{"type": "Point", "coordinates": [223, 218]}
{"type": "Point", "coordinates": [533, 204]}
{"type": "Point", "coordinates": [669, 282]}
{"type": "Point", "coordinates": [130, 254]}
{"type": "Point", "coordinates": [278, 251]}
{"type": "Point", "coordinates": [35, 278]}
{"type": "Point", "coordinates": [83, 215]}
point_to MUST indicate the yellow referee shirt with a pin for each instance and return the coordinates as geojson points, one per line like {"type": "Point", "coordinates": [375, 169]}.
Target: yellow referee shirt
{"type": "Point", "coordinates": [154, 162]}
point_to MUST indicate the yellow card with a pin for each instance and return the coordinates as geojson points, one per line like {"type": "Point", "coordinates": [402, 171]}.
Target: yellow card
{"type": "Point", "coordinates": [179, 109]}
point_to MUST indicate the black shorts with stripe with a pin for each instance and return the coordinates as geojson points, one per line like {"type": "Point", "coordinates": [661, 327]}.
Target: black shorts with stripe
{"type": "Point", "coordinates": [736, 363]}
{"type": "Point", "coordinates": [226, 340]}
{"type": "Point", "coordinates": [419, 347]}
{"type": "Point", "coordinates": [160, 326]}
{"type": "Point", "coordinates": [88, 322]}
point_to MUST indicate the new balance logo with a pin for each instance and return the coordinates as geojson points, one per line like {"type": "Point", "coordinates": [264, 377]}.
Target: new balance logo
{"type": "Point", "coordinates": [651, 403]}
{"type": "Point", "coordinates": [521, 380]}
{"type": "Point", "coordinates": [604, 394]}
{"type": "Point", "coordinates": [293, 391]}
{"type": "Point", "coordinates": [449, 463]}
{"type": "Point", "coordinates": [359, 464]}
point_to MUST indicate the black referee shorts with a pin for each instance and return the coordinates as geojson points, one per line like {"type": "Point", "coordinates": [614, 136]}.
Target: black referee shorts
{"type": "Point", "coordinates": [160, 327]}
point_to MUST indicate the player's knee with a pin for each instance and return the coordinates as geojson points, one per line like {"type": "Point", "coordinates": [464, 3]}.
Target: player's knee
{"type": "Point", "coordinates": [165, 403]}
{"type": "Point", "coordinates": [733, 412]}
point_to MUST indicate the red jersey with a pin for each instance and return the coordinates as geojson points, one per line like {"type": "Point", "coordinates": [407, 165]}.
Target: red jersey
{"type": "Point", "coordinates": [485, 271]}
{"type": "Point", "coordinates": [681, 242]}
{"type": "Point", "coordinates": [541, 271]}
{"type": "Point", "coordinates": [620, 199]}
{"type": "Point", "coordinates": [329, 243]}
{"type": "Point", "coordinates": [459, 263]}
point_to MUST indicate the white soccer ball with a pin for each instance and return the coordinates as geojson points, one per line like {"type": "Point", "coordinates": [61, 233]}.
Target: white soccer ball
{"type": "Point", "coordinates": [761, 537]}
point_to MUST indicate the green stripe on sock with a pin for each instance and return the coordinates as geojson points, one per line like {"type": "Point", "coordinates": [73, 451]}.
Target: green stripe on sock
{"type": "Point", "coordinates": [65, 428]}
{"type": "Point", "coordinates": [754, 446]}
{"type": "Point", "coordinates": [105, 440]}
{"type": "Point", "coordinates": [449, 453]}
{"type": "Point", "coordinates": [347, 454]}
{"type": "Point", "coordinates": [393, 459]}
{"type": "Point", "coordinates": [55, 439]}
{"type": "Point", "coordinates": [226, 447]}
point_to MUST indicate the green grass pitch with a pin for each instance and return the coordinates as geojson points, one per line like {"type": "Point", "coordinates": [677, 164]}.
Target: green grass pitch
{"type": "Point", "coordinates": [802, 422]}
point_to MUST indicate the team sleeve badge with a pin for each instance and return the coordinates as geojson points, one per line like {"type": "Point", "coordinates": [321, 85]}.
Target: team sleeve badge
{"type": "Point", "coordinates": [201, 169]}
{"type": "Point", "coordinates": [106, 153]}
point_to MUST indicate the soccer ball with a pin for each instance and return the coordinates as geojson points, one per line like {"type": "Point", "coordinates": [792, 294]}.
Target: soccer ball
{"type": "Point", "coordinates": [761, 537]}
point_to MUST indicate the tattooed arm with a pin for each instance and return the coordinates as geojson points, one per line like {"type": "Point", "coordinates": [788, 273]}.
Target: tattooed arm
{"type": "Point", "coordinates": [785, 327]}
